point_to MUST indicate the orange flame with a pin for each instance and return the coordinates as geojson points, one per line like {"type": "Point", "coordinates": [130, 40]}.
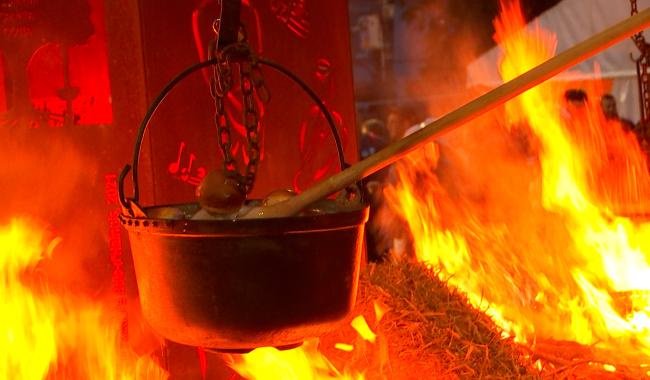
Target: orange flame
{"type": "Point", "coordinates": [302, 363]}
{"type": "Point", "coordinates": [44, 334]}
{"type": "Point", "coordinates": [308, 361]}
{"type": "Point", "coordinates": [526, 211]}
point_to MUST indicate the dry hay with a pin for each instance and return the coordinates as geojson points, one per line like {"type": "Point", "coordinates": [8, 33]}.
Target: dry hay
{"type": "Point", "coordinates": [431, 332]}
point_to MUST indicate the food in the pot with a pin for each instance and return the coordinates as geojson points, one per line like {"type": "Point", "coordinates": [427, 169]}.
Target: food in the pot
{"type": "Point", "coordinates": [278, 196]}
{"type": "Point", "coordinates": [218, 194]}
{"type": "Point", "coordinates": [169, 212]}
{"type": "Point", "coordinates": [325, 206]}
{"type": "Point", "coordinates": [204, 214]}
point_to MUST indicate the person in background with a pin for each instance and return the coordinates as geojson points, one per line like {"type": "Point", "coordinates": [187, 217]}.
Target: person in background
{"type": "Point", "coordinates": [575, 103]}
{"type": "Point", "coordinates": [575, 114]}
{"type": "Point", "coordinates": [373, 136]}
{"type": "Point", "coordinates": [393, 239]}
{"type": "Point", "coordinates": [399, 119]}
{"type": "Point", "coordinates": [576, 97]}
{"type": "Point", "coordinates": [643, 135]}
{"type": "Point", "coordinates": [383, 237]}
{"type": "Point", "coordinates": [610, 111]}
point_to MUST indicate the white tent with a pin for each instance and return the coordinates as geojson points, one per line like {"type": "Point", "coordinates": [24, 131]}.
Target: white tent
{"type": "Point", "coordinates": [574, 21]}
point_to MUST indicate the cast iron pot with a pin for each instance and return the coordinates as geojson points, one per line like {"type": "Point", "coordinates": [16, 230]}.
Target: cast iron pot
{"type": "Point", "coordinates": [237, 285]}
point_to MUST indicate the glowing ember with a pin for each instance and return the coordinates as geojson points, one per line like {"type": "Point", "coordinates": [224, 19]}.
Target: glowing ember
{"type": "Point", "coordinates": [51, 334]}
{"type": "Point", "coordinates": [361, 326]}
{"type": "Point", "coordinates": [526, 212]}
{"type": "Point", "coordinates": [609, 368]}
{"type": "Point", "coordinates": [344, 347]}
{"type": "Point", "coordinates": [380, 310]}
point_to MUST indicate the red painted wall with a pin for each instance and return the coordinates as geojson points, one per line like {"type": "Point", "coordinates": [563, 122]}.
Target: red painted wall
{"type": "Point", "coordinates": [309, 37]}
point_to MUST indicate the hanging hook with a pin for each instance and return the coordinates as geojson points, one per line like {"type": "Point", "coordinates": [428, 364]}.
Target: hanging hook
{"type": "Point", "coordinates": [228, 23]}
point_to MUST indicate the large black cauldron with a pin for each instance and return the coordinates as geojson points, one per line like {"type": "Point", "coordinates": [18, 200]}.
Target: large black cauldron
{"type": "Point", "coordinates": [237, 285]}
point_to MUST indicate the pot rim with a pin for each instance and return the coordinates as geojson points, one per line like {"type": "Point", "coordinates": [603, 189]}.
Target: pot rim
{"type": "Point", "coordinates": [349, 217]}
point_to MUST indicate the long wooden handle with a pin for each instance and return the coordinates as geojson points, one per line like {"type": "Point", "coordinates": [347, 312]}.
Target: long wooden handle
{"type": "Point", "coordinates": [469, 111]}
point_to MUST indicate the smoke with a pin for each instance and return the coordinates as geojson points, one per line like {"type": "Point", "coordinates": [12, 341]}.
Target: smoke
{"type": "Point", "coordinates": [46, 176]}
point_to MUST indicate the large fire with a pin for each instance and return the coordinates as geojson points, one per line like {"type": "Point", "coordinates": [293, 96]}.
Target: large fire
{"type": "Point", "coordinates": [536, 211]}
{"type": "Point", "coordinates": [50, 333]}
{"type": "Point", "coordinates": [537, 233]}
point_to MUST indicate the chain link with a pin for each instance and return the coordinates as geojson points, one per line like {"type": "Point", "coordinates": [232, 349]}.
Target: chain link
{"type": "Point", "coordinates": [251, 84]}
{"type": "Point", "coordinates": [643, 69]}
{"type": "Point", "coordinates": [638, 38]}
{"type": "Point", "coordinates": [251, 123]}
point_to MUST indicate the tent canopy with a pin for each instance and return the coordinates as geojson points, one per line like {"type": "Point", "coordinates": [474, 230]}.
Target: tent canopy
{"type": "Point", "coordinates": [574, 21]}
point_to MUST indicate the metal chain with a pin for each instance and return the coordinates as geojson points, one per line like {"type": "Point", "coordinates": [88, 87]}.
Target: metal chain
{"type": "Point", "coordinates": [251, 123]}
{"type": "Point", "coordinates": [639, 36]}
{"type": "Point", "coordinates": [251, 84]}
{"type": "Point", "coordinates": [643, 70]}
{"type": "Point", "coordinates": [221, 83]}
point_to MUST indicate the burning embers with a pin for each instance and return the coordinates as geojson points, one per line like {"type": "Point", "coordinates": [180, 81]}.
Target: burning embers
{"type": "Point", "coordinates": [527, 211]}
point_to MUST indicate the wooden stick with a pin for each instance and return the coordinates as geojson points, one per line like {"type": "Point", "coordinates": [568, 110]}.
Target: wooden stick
{"type": "Point", "coordinates": [469, 111]}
